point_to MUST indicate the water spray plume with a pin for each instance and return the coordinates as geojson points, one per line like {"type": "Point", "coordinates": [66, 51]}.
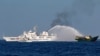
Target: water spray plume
{"type": "Point", "coordinates": [64, 33]}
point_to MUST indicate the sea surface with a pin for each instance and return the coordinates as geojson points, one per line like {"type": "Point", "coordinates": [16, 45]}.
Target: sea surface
{"type": "Point", "coordinates": [49, 48]}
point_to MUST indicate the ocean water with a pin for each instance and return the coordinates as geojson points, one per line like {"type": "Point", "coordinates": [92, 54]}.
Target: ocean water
{"type": "Point", "coordinates": [49, 48]}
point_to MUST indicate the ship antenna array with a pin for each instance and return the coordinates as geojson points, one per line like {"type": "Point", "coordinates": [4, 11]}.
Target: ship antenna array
{"type": "Point", "coordinates": [35, 29]}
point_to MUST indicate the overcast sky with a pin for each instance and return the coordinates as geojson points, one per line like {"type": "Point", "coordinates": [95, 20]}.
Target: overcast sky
{"type": "Point", "coordinates": [17, 16]}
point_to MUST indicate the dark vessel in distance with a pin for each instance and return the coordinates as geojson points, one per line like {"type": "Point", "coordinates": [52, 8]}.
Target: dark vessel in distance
{"type": "Point", "coordinates": [86, 38]}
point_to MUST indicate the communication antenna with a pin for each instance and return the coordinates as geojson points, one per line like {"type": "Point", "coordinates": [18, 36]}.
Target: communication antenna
{"type": "Point", "coordinates": [35, 29]}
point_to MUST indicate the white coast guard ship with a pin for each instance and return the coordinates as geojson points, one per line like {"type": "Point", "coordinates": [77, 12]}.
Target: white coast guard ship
{"type": "Point", "coordinates": [31, 37]}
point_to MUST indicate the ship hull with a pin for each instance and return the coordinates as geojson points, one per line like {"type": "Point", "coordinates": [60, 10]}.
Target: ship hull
{"type": "Point", "coordinates": [21, 39]}
{"type": "Point", "coordinates": [93, 39]}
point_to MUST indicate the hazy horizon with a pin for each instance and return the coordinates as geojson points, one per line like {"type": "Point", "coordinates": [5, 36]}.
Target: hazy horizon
{"type": "Point", "coordinates": [17, 16]}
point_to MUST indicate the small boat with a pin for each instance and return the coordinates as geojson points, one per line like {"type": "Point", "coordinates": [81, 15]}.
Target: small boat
{"type": "Point", "coordinates": [86, 38]}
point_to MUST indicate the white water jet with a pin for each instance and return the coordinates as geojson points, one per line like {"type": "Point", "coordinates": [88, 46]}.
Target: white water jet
{"type": "Point", "coordinates": [64, 33]}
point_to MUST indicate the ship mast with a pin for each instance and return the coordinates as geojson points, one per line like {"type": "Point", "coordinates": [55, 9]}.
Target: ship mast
{"type": "Point", "coordinates": [35, 29]}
